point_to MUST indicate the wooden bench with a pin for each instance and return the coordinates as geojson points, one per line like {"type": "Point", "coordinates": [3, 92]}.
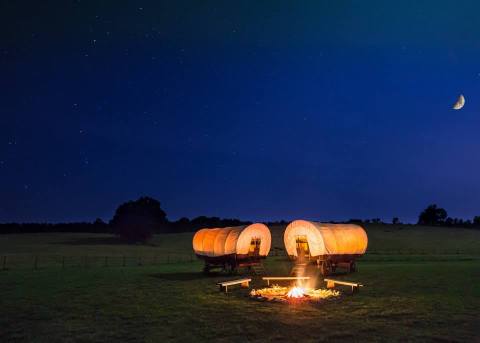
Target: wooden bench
{"type": "Point", "coordinates": [268, 278]}
{"type": "Point", "coordinates": [355, 286]}
{"type": "Point", "coordinates": [245, 283]}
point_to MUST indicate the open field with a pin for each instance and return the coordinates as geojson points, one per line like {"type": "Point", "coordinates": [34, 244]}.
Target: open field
{"type": "Point", "coordinates": [420, 284]}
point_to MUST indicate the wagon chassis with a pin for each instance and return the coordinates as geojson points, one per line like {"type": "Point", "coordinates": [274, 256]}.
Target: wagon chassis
{"type": "Point", "coordinates": [230, 263]}
{"type": "Point", "coordinates": [329, 263]}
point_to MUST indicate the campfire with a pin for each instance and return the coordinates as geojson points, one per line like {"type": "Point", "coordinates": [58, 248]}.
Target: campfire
{"type": "Point", "coordinates": [295, 293]}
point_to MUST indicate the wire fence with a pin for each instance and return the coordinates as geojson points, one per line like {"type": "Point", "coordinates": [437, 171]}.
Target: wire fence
{"type": "Point", "coordinates": [39, 261]}
{"type": "Point", "coordinates": [17, 261]}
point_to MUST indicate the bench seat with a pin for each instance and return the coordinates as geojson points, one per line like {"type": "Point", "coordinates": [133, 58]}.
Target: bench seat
{"type": "Point", "coordinates": [355, 286]}
{"type": "Point", "coordinates": [243, 282]}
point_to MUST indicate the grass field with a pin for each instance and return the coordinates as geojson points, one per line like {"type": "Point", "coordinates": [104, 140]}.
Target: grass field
{"type": "Point", "coordinates": [420, 284]}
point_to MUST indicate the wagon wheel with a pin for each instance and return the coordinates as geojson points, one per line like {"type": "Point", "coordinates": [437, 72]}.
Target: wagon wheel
{"type": "Point", "coordinates": [232, 268]}
{"type": "Point", "coordinates": [322, 268]}
{"type": "Point", "coordinates": [325, 268]}
{"type": "Point", "coordinates": [206, 269]}
{"type": "Point", "coordinates": [226, 268]}
{"type": "Point", "coordinates": [329, 267]}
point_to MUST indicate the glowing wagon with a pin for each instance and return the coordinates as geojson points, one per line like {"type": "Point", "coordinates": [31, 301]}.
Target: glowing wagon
{"type": "Point", "coordinates": [328, 245]}
{"type": "Point", "coordinates": [232, 247]}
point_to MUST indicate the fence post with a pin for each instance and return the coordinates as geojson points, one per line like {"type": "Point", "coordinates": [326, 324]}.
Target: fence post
{"type": "Point", "coordinates": [35, 263]}
{"type": "Point", "coordinates": [123, 263]}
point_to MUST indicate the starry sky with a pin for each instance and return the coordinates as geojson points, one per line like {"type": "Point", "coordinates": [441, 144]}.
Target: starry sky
{"type": "Point", "coordinates": [265, 110]}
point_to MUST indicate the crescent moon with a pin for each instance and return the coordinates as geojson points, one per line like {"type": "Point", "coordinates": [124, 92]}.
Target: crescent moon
{"type": "Point", "coordinates": [460, 102]}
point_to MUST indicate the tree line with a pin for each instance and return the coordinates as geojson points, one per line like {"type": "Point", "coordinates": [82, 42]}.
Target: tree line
{"type": "Point", "coordinates": [437, 216]}
{"type": "Point", "coordinates": [138, 220]}
{"type": "Point", "coordinates": [433, 215]}
{"type": "Point", "coordinates": [135, 220]}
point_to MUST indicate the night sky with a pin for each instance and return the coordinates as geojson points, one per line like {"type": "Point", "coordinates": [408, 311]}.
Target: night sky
{"type": "Point", "coordinates": [255, 110]}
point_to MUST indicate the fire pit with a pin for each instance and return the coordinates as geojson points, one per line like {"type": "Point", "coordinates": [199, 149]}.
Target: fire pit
{"type": "Point", "coordinates": [292, 294]}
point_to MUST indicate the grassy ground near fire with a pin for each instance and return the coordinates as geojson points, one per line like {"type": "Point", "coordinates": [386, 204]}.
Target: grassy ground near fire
{"type": "Point", "coordinates": [420, 284]}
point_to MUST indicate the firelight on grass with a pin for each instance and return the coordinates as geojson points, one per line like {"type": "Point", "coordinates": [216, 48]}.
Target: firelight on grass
{"type": "Point", "coordinates": [284, 294]}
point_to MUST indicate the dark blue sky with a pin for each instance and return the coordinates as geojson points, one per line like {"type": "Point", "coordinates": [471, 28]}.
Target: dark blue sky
{"type": "Point", "coordinates": [321, 110]}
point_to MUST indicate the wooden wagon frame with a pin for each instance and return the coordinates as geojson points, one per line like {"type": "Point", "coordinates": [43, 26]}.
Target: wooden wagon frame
{"type": "Point", "coordinates": [328, 264]}
{"type": "Point", "coordinates": [230, 263]}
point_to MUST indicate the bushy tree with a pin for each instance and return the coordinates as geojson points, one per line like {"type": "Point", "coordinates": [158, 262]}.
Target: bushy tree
{"type": "Point", "coordinates": [432, 215]}
{"type": "Point", "coordinates": [476, 221]}
{"type": "Point", "coordinates": [395, 220]}
{"type": "Point", "coordinates": [136, 221]}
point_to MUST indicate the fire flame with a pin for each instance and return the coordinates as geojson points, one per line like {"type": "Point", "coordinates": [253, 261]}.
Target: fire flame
{"type": "Point", "coordinates": [292, 293]}
{"type": "Point", "coordinates": [296, 292]}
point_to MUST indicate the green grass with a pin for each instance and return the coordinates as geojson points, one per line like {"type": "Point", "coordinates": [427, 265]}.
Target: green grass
{"type": "Point", "coordinates": [419, 299]}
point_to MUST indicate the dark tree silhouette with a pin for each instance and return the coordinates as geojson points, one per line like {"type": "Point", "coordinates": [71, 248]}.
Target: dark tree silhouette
{"type": "Point", "coordinates": [99, 222]}
{"type": "Point", "coordinates": [395, 220]}
{"type": "Point", "coordinates": [476, 221]}
{"type": "Point", "coordinates": [432, 215]}
{"type": "Point", "coordinates": [184, 224]}
{"type": "Point", "coordinates": [136, 221]}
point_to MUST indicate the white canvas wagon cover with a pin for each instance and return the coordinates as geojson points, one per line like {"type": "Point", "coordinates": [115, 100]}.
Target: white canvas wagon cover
{"type": "Point", "coordinates": [325, 238]}
{"type": "Point", "coordinates": [231, 240]}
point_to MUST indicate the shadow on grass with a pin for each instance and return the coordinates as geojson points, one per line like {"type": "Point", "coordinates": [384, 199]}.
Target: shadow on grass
{"type": "Point", "coordinates": [338, 273]}
{"type": "Point", "coordinates": [187, 276]}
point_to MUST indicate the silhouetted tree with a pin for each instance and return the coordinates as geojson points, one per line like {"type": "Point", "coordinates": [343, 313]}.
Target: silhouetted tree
{"type": "Point", "coordinates": [136, 221]}
{"type": "Point", "coordinates": [457, 221]}
{"type": "Point", "coordinates": [355, 221]}
{"type": "Point", "coordinates": [100, 226]}
{"type": "Point", "coordinates": [99, 221]}
{"type": "Point", "coordinates": [433, 215]}
{"type": "Point", "coordinates": [395, 220]}
{"type": "Point", "coordinates": [476, 221]}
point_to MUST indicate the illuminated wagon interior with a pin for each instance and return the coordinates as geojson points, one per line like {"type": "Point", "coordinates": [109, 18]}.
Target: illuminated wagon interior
{"type": "Point", "coordinates": [232, 247]}
{"type": "Point", "coordinates": [329, 245]}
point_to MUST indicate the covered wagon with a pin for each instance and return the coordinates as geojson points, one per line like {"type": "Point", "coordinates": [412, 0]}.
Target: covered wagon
{"type": "Point", "coordinates": [328, 245]}
{"type": "Point", "coordinates": [232, 247]}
